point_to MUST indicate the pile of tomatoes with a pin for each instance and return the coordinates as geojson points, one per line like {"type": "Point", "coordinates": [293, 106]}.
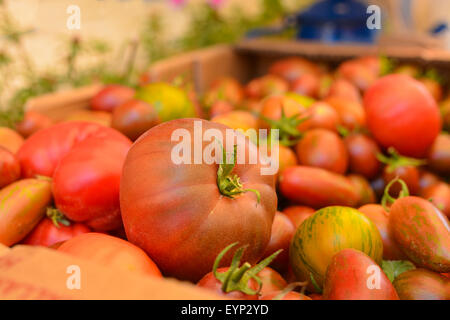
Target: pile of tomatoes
{"type": "Point", "coordinates": [358, 208]}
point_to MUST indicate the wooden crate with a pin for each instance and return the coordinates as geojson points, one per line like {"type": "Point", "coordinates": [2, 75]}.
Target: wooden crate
{"type": "Point", "coordinates": [243, 61]}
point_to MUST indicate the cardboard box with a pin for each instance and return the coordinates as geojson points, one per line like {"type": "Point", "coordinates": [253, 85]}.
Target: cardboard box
{"type": "Point", "coordinates": [37, 273]}
{"type": "Point", "coordinates": [243, 61]}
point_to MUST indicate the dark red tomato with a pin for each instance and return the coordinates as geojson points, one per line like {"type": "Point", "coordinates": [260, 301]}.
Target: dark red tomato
{"type": "Point", "coordinates": [110, 252]}
{"type": "Point", "coordinates": [362, 151]}
{"type": "Point", "coordinates": [363, 188]}
{"type": "Point", "coordinates": [166, 206]}
{"type": "Point", "coordinates": [111, 96]}
{"type": "Point", "coordinates": [427, 179]}
{"type": "Point", "coordinates": [209, 281]}
{"type": "Point", "coordinates": [344, 89]}
{"type": "Point", "coordinates": [46, 233]}
{"type": "Point", "coordinates": [439, 195]}
{"type": "Point", "coordinates": [317, 187]}
{"type": "Point", "coordinates": [293, 68]}
{"type": "Point", "coordinates": [439, 155]}
{"type": "Point", "coordinates": [274, 106]}
{"type": "Point", "coordinates": [278, 295]}
{"type": "Point", "coordinates": [265, 86]}
{"type": "Point", "coordinates": [307, 84]}
{"type": "Point", "coordinates": [352, 115]}
{"type": "Point", "coordinates": [85, 161]}
{"type": "Point", "coordinates": [271, 281]}
{"type": "Point", "coordinates": [33, 122]}
{"type": "Point", "coordinates": [357, 73]}
{"type": "Point", "coordinates": [9, 167]}
{"type": "Point", "coordinates": [323, 149]}
{"type": "Point", "coordinates": [409, 174]}
{"type": "Point", "coordinates": [298, 214]}
{"type": "Point", "coordinates": [401, 113]}
{"type": "Point", "coordinates": [320, 116]}
{"type": "Point", "coordinates": [379, 217]}
{"type": "Point", "coordinates": [220, 107]}
{"type": "Point", "coordinates": [134, 117]}
{"type": "Point", "coordinates": [282, 232]}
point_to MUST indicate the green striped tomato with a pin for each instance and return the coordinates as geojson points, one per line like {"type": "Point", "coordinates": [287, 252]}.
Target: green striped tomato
{"type": "Point", "coordinates": [327, 232]}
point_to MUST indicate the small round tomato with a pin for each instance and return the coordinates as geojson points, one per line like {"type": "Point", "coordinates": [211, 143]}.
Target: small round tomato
{"type": "Point", "coordinates": [282, 232]}
{"type": "Point", "coordinates": [48, 232]}
{"type": "Point", "coordinates": [209, 281]}
{"type": "Point", "coordinates": [307, 84]}
{"type": "Point", "coordinates": [225, 89]}
{"type": "Point", "coordinates": [9, 167]}
{"type": "Point", "coordinates": [246, 282]}
{"type": "Point", "coordinates": [298, 214]}
{"type": "Point", "coordinates": [439, 195]}
{"type": "Point", "coordinates": [274, 107]}
{"type": "Point", "coordinates": [265, 86]}
{"type": "Point", "coordinates": [271, 281]}
{"type": "Point", "coordinates": [363, 188]}
{"type": "Point", "coordinates": [344, 89]}
{"type": "Point", "coordinates": [293, 68]}
{"type": "Point", "coordinates": [220, 107]}
{"type": "Point", "coordinates": [401, 113]}
{"type": "Point", "coordinates": [323, 149]}
{"type": "Point", "coordinates": [351, 114]}
{"type": "Point", "coordinates": [111, 96]}
{"type": "Point", "coordinates": [238, 120]}
{"type": "Point", "coordinates": [403, 168]}
{"type": "Point", "coordinates": [362, 151]}
{"type": "Point", "coordinates": [439, 155]}
{"type": "Point", "coordinates": [427, 179]}
{"type": "Point", "coordinates": [110, 252]}
{"type": "Point", "coordinates": [32, 122]}
{"type": "Point", "coordinates": [320, 115]}
{"type": "Point", "coordinates": [10, 139]}
{"type": "Point", "coordinates": [357, 73]}
{"type": "Point", "coordinates": [134, 117]}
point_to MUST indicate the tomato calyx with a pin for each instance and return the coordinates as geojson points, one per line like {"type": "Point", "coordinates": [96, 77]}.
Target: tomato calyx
{"type": "Point", "coordinates": [290, 288]}
{"type": "Point", "coordinates": [287, 126]}
{"type": "Point", "coordinates": [236, 278]}
{"type": "Point", "coordinates": [388, 199]}
{"type": "Point", "coordinates": [396, 160]}
{"type": "Point", "coordinates": [57, 217]}
{"type": "Point", "coordinates": [230, 184]}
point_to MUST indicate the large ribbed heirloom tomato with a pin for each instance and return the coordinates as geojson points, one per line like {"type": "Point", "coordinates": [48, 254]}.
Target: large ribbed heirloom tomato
{"type": "Point", "coordinates": [183, 215]}
{"type": "Point", "coordinates": [85, 161]}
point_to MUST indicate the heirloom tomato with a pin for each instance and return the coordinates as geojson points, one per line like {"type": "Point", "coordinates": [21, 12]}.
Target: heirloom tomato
{"type": "Point", "coordinates": [422, 232]}
{"type": "Point", "coordinates": [327, 232]}
{"type": "Point", "coordinates": [22, 206]}
{"type": "Point", "coordinates": [183, 211]}
{"type": "Point", "coordinates": [353, 275]}
{"type": "Point", "coordinates": [9, 167]}
{"type": "Point", "coordinates": [85, 162]}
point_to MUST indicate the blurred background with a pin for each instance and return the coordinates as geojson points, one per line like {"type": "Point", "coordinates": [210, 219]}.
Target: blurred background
{"type": "Point", "coordinates": [119, 38]}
